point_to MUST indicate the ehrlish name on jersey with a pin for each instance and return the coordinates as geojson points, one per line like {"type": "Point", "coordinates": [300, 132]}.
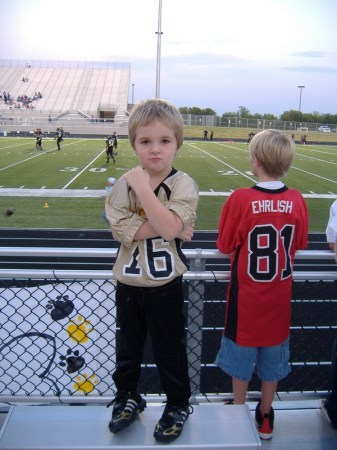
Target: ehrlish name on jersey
{"type": "Point", "coordinates": [278, 206]}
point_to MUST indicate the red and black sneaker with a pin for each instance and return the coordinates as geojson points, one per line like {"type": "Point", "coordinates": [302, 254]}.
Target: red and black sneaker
{"type": "Point", "coordinates": [264, 423]}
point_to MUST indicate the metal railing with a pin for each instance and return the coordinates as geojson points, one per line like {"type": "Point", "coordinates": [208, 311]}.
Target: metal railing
{"type": "Point", "coordinates": [58, 328]}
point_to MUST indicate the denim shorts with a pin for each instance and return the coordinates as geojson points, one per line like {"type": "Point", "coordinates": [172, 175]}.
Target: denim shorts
{"type": "Point", "coordinates": [269, 363]}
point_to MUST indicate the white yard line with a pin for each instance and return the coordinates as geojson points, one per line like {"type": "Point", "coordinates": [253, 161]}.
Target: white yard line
{"type": "Point", "coordinates": [315, 159]}
{"type": "Point", "coordinates": [78, 193]}
{"type": "Point", "coordinates": [314, 174]}
{"type": "Point", "coordinates": [254, 180]}
{"type": "Point", "coordinates": [80, 173]}
{"type": "Point", "coordinates": [225, 164]}
{"type": "Point", "coordinates": [92, 193]}
{"type": "Point", "coordinates": [12, 146]}
{"type": "Point", "coordinates": [39, 154]}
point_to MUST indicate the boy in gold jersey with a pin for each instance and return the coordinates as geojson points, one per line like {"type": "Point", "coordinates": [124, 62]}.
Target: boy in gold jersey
{"type": "Point", "coordinates": [151, 211]}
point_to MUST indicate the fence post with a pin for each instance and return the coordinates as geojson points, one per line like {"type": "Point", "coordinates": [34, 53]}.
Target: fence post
{"type": "Point", "coordinates": [196, 290]}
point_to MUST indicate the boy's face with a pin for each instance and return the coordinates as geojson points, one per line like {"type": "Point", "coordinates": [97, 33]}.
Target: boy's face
{"type": "Point", "coordinates": [156, 147]}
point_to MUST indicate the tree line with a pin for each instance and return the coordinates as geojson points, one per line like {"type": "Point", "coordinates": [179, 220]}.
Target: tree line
{"type": "Point", "coordinates": [286, 116]}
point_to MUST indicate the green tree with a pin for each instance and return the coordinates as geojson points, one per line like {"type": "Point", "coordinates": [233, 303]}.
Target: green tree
{"type": "Point", "coordinates": [209, 112]}
{"type": "Point", "coordinates": [197, 111]}
{"type": "Point", "coordinates": [292, 116]}
{"type": "Point", "coordinates": [229, 114]}
{"type": "Point", "coordinates": [243, 112]}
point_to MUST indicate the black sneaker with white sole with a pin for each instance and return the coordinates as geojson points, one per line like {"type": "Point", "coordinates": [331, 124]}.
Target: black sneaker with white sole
{"type": "Point", "coordinates": [171, 423]}
{"type": "Point", "coordinates": [126, 407]}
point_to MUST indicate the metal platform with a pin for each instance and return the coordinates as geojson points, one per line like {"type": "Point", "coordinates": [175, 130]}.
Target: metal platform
{"type": "Point", "coordinates": [299, 425]}
{"type": "Point", "coordinates": [86, 427]}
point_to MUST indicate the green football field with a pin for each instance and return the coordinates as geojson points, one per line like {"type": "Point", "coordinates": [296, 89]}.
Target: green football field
{"type": "Point", "coordinates": [65, 189]}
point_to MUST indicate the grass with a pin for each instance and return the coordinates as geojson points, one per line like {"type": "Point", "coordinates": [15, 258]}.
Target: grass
{"type": "Point", "coordinates": [47, 212]}
{"type": "Point", "coordinates": [80, 165]}
{"type": "Point", "coordinates": [44, 212]}
{"type": "Point", "coordinates": [226, 133]}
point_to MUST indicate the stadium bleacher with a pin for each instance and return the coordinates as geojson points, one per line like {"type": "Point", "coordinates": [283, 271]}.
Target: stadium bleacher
{"type": "Point", "coordinates": [74, 93]}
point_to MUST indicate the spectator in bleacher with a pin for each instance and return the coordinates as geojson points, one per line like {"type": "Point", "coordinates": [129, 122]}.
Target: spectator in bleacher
{"type": "Point", "coordinates": [151, 210]}
{"type": "Point", "coordinates": [59, 137]}
{"type": "Point", "coordinates": [261, 228]}
{"type": "Point", "coordinates": [329, 406]}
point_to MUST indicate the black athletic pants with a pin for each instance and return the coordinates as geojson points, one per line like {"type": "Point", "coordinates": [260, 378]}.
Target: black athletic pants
{"type": "Point", "coordinates": [158, 312]}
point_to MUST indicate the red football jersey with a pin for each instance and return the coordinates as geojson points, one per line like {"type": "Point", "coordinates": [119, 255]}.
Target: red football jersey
{"type": "Point", "coordinates": [261, 229]}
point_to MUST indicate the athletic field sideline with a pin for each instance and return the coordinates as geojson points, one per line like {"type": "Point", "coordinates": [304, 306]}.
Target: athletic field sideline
{"type": "Point", "coordinates": [97, 193]}
{"type": "Point", "coordinates": [38, 184]}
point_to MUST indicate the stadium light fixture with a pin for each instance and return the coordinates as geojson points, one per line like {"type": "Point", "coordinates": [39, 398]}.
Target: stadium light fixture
{"type": "Point", "coordinates": [299, 106]}
{"type": "Point", "coordinates": [158, 33]}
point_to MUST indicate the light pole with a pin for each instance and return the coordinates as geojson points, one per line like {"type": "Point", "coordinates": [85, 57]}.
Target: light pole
{"type": "Point", "coordinates": [133, 91]}
{"type": "Point", "coordinates": [158, 33]}
{"type": "Point", "coordinates": [300, 88]}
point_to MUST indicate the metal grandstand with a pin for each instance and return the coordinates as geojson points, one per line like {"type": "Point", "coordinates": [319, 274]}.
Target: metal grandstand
{"type": "Point", "coordinates": [73, 95]}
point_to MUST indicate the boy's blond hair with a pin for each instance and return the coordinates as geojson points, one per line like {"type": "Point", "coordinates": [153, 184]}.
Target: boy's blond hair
{"type": "Point", "coordinates": [274, 150]}
{"type": "Point", "coordinates": [151, 110]}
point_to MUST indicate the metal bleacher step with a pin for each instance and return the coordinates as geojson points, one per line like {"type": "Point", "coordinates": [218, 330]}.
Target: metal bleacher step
{"type": "Point", "coordinates": [86, 427]}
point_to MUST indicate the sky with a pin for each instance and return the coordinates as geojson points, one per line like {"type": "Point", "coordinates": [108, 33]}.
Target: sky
{"type": "Point", "coordinates": [216, 54]}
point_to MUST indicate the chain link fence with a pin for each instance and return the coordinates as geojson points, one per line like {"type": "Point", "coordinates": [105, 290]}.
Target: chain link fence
{"type": "Point", "coordinates": [252, 123]}
{"type": "Point", "coordinates": [59, 333]}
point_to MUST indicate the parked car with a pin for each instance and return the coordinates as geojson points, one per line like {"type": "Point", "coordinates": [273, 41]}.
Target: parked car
{"type": "Point", "coordinates": [324, 129]}
{"type": "Point", "coordinates": [334, 130]}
